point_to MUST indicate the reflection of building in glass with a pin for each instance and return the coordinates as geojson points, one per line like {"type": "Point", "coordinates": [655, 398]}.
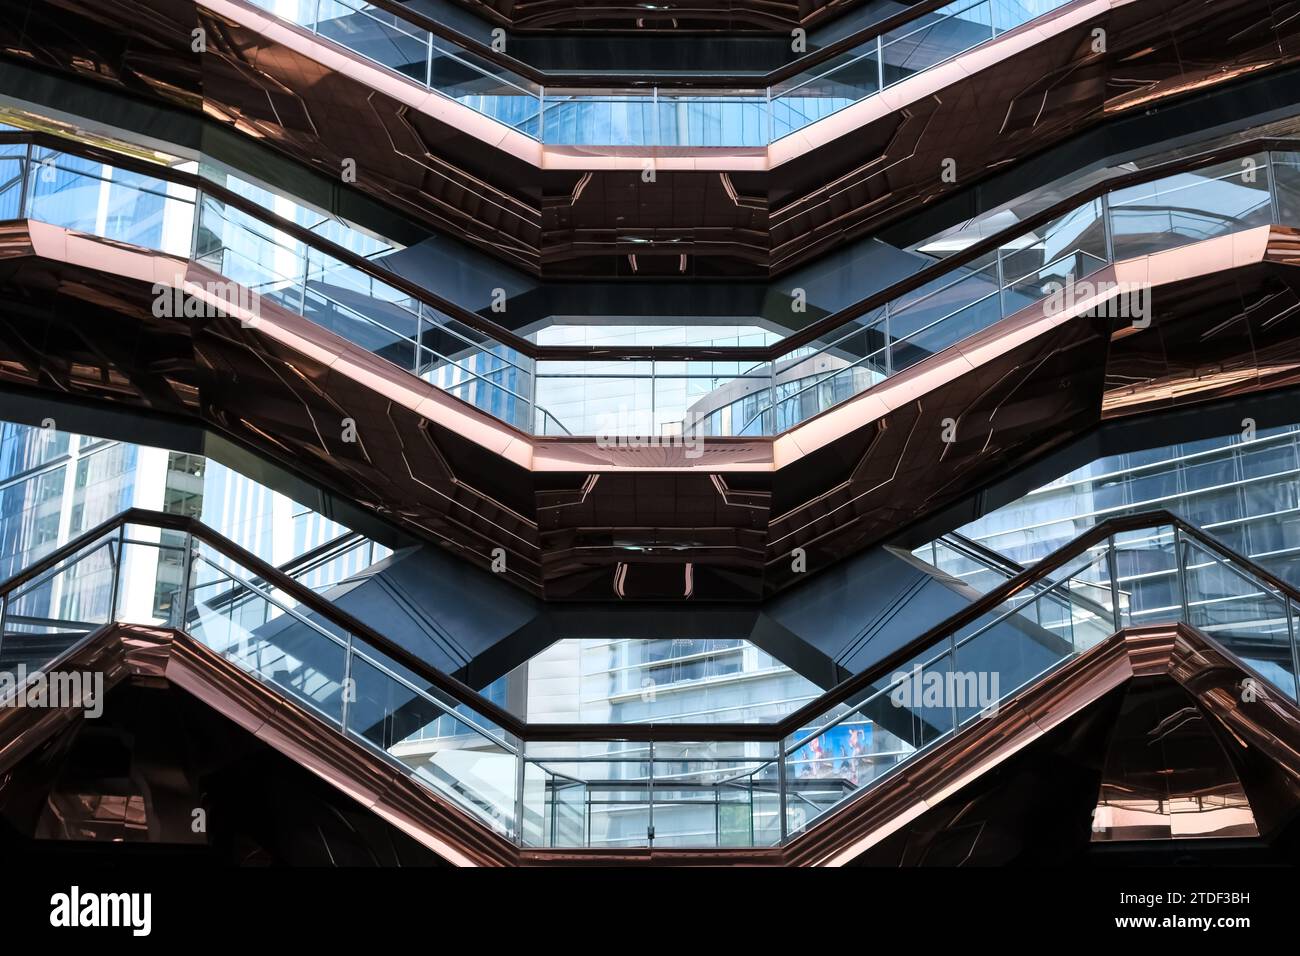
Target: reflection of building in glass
{"type": "Point", "coordinates": [55, 486]}
{"type": "Point", "coordinates": [1242, 489]}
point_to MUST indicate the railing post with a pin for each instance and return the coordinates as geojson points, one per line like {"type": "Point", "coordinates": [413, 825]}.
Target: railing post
{"type": "Point", "coordinates": [306, 271]}
{"type": "Point", "coordinates": [880, 62]}
{"type": "Point", "coordinates": [186, 566]}
{"type": "Point", "coordinates": [1275, 209]}
{"type": "Point", "coordinates": [1106, 228]}
{"type": "Point", "coordinates": [1112, 565]}
{"type": "Point", "coordinates": [541, 114]}
{"type": "Point", "coordinates": [889, 344]}
{"type": "Point", "coordinates": [27, 180]}
{"type": "Point", "coordinates": [650, 822]}
{"type": "Point", "coordinates": [951, 682]}
{"type": "Point", "coordinates": [769, 427]}
{"type": "Point", "coordinates": [1290, 634]}
{"type": "Point", "coordinates": [1182, 574]}
{"type": "Point", "coordinates": [1002, 282]}
{"type": "Point", "coordinates": [658, 133]}
{"type": "Point", "coordinates": [780, 788]}
{"type": "Point", "coordinates": [520, 777]}
{"type": "Point", "coordinates": [418, 355]}
{"type": "Point", "coordinates": [117, 572]}
{"type": "Point", "coordinates": [771, 119]}
{"type": "Point", "coordinates": [428, 62]}
{"type": "Point", "coordinates": [194, 230]}
{"type": "Point", "coordinates": [347, 687]}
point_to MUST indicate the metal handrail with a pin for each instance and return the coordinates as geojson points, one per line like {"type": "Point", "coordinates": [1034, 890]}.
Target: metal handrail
{"type": "Point", "coordinates": [723, 353]}
{"type": "Point", "coordinates": [687, 80]}
{"type": "Point", "coordinates": [513, 736]}
{"type": "Point", "coordinates": [702, 733]}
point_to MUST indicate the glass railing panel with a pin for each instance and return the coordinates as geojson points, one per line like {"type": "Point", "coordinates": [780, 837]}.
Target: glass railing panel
{"type": "Point", "coordinates": [375, 34]}
{"type": "Point", "coordinates": [1009, 14]}
{"type": "Point", "coordinates": [151, 579]}
{"type": "Point", "coordinates": [13, 168]}
{"type": "Point", "coordinates": [910, 348]}
{"type": "Point", "coordinates": [599, 398]}
{"type": "Point", "coordinates": [48, 615]}
{"type": "Point", "coordinates": [505, 97]}
{"type": "Point", "coordinates": [942, 313]}
{"type": "Point", "coordinates": [1146, 564]}
{"type": "Point", "coordinates": [304, 657]}
{"type": "Point", "coordinates": [832, 763]}
{"type": "Point", "coordinates": [592, 118]}
{"type": "Point", "coordinates": [594, 790]}
{"type": "Point", "coordinates": [801, 399]}
{"type": "Point", "coordinates": [1079, 235]}
{"type": "Point", "coordinates": [715, 794]}
{"type": "Point", "coordinates": [695, 119]}
{"type": "Point", "coordinates": [1190, 207]}
{"type": "Point", "coordinates": [100, 200]}
{"type": "Point", "coordinates": [556, 809]}
{"type": "Point", "coordinates": [386, 329]}
{"type": "Point", "coordinates": [998, 657]}
{"type": "Point", "coordinates": [263, 260]}
{"type": "Point", "coordinates": [448, 752]}
{"type": "Point", "coordinates": [454, 354]}
{"type": "Point", "coordinates": [1057, 278]}
{"type": "Point", "coordinates": [663, 116]}
{"type": "Point", "coordinates": [830, 87]}
{"type": "Point", "coordinates": [822, 374]}
{"type": "Point", "coordinates": [934, 37]}
{"type": "Point", "coordinates": [458, 711]}
{"type": "Point", "coordinates": [490, 380]}
{"type": "Point", "coordinates": [1242, 612]}
{"type": "Point", "coordinates": [1284, 172]}
{"type": "Point", "coordinates": [689, 398]}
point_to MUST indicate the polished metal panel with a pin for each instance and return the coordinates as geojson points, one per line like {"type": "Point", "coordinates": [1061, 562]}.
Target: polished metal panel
{"type": "Point", "coordinates": [580, 521]}
{"type": "Point", "coordinates": [132, 652]}
{"type": "Point", "coordinates": [1167, 775]}
{"type": "Point", "coordinates": [587, 211]}
{"type": "Point", "coordinates": [1260, 714]}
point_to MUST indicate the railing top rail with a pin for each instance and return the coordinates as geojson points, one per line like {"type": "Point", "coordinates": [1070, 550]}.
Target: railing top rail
{"type": "Point", "coordinates": [776, 350]}
{"type": "Point", "coordinates": [795, 67]}
{"type": "Point", "coordinates": [678, 732]}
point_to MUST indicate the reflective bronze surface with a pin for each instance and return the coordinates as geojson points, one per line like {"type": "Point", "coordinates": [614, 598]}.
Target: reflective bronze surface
{"type": "Point", "coordinates": [1212, 678]}
{"type": "Point", "coordinates": [160, 656]}
{"type": "Point", "coordinates": [667, 15]}
{"type": "Point", "coordinates": [576, 211]}
{"type": "Point", "coordinates": [1268, 727]}
{"type": "Point", "coordinates": [582, 520]}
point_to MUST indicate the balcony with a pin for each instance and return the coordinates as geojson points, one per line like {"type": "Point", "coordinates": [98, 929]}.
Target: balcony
{"type": "Point", "coordinates": [1051, 640]}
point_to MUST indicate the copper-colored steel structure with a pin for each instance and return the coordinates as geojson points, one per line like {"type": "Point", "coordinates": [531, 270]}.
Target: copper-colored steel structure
{"type": "Point", "coordinates": [568, 511]}
{"type": "Point", "coordinates": [708, 211]}
{"type": "Point", "coordinates": [668, 16]}
{"type": "Point", "coordinates": [1209, 675]}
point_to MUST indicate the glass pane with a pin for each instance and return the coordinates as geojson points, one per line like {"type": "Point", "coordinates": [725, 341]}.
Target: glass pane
{"type": "Point", "coordinates": [302, 657]}
{"type": "Point", "coordinates": [1189, 207]}
{"type": "Point", "coordinates": [1241, 612]}
{"type": "Point", "coordinates": [902, 715]}
{"type": "Point", "coordinates": [47, 616]}
{"type": "Point", "coordinates": [442, 750]}
{"type": "Point", "coordinates": [597, 792]}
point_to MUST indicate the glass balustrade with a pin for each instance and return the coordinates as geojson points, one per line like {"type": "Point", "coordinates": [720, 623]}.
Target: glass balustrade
{"type": "Point", "coordinates": [637, 791]}
{"type": "Point", "coordinates": [646, 399]}
{"type": "Point", "coordinates": [659, 115]}
{"type": "Point", "coordinates": [1034, 266]}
